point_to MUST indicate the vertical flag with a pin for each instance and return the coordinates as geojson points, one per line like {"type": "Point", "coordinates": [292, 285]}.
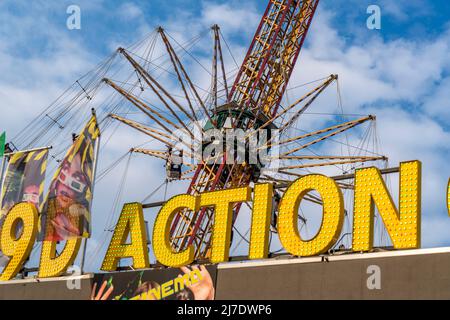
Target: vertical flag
{"type": "Point", "coordinates": [66, 213]}
{"type": "Point", "coordinates": [23, 182]}
{"type": "Point", "coordinates": [2, 144]}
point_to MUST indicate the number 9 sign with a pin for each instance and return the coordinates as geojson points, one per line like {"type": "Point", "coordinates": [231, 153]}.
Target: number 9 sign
{"type": "Point", "coordinates": [18, 246]}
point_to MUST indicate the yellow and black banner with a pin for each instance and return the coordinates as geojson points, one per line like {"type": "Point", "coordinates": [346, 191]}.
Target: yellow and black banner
{"type": "Point", "coordinates": [66, 213]}
{"type": "Point", "coordinates": [24, 180]}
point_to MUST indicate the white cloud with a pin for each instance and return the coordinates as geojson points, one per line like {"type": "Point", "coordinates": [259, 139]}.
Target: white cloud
{"type": "Point", "coordinates": [130, 11]}
{"type": "Point", "coordinates": [231, 17]}
{"type": "Point", "coordinates": [437, 104]}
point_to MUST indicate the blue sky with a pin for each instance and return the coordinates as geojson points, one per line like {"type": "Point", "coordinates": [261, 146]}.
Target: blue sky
{"type": "Point", "coordinates": [400, 73]}
{"type": "Point", "coordinates": [418, 20]}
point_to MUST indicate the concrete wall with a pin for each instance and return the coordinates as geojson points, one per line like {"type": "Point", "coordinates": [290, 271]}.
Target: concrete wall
{"type": "Point", "coordinates": [50, 289]}
{"type": "Point", "coordinates": [416, 274]}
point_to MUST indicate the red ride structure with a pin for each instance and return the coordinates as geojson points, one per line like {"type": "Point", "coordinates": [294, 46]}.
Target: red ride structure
{"type": "Point", "coordinates": [253, 101]}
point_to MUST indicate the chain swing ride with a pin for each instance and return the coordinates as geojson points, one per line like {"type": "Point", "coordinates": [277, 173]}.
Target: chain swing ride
{"type": "Point", "coordinates": [252, 96]}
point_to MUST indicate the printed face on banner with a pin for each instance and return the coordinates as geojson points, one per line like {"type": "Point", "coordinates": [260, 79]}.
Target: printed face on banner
{"type": "Point", "coordinates": [67, 211]}
{"type": "Point", "coordinates": [24, 179]}
{"type": "Point", "coordinates": [68, 205]}
{"type": "Point", "coordinates": [72, 182]}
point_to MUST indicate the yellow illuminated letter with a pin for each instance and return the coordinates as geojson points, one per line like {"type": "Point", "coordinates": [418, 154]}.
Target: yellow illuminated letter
{"type": "Point", "coordinates": [448, 197]}
{"type": "Point", "coordinates": [370, 190]}
{"type": "Point", "coordinates": [18, 247]}
{"type": "Point", "coordinates": [54, 266]}
{"type": "Point", "coordinates": [262, 211]}
{"type": "Point", "coordinates": [161, 232]}
{"type": "Point", "coordinates": [131, 223]}
{"type": "Point", "coordinates": [333, 216]}
{"type": "Point", "coordinates": [223, 202]}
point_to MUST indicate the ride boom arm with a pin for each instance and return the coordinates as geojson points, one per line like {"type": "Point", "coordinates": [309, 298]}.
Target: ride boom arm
{"type": "Point", "coordinates": [259, 86]}
{"type": "Point", "coordinates": [268, 65]}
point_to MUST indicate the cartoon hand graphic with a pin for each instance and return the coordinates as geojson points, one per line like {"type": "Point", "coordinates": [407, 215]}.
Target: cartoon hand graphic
{"type": "Point", "coordinates": [203, 289]}
{"type": "Point", "coordinates": [100, 295]}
